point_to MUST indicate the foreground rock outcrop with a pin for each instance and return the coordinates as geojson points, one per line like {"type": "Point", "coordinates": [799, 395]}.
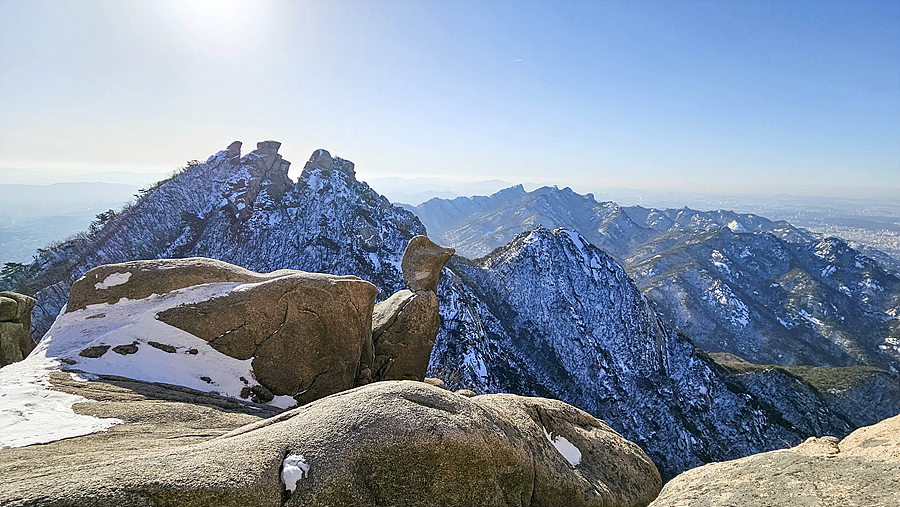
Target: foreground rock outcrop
{"type": "Point", "coordinates": [15, 327]}
{"type": "Point", "coordinates": [306, 335]}
{"type": "Point", "coordinates": [862, 470]}
{"type": "Point", "coordinates": [388, 443]}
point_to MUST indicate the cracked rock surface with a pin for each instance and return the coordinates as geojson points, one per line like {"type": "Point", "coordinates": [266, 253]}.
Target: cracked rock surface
{"type": "Point", "coordinates": [388, 443]}
{"type": "Point", "coordinates": [15, 327]}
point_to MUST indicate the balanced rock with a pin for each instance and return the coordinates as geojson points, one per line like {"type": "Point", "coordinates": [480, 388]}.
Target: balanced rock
{"type": "Point", "coordinates": [422, 263]}
{"type": "Point", "coordinates": [15, 327]}
{"type": "Point", "coordinates": [862, 470]}
{"type": "Point", "coordinates": [405, 325]}
{"type": "Point", "coordinates": [306, 335]}
{"type": "Point", "coordinates": [388, 443]}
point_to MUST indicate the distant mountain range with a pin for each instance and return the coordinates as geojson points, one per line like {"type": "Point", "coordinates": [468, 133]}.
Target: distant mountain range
{"type": "Point", "coordinates": [35, 216]}
{"type": "Point", "coordinates": [547, 312]}
{"type": "Point", "coordinates": [418, 190]}
{"type": "Point", "coordinates": [766, 291]}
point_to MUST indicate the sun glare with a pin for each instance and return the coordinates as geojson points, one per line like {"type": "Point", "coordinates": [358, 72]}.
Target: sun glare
{"type": "Point", "coordinates": [218, 26]}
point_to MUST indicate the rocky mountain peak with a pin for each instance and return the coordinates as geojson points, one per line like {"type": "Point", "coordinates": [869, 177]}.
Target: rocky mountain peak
{"type": "Point", "coordinates": [322, 161]}
{"type": "Point", "coordinates": [233, 152]}
{"type": "Point", "coordinates": [260, 180]}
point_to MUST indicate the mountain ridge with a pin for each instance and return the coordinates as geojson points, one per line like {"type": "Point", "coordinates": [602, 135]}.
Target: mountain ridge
{"type": "Point", "coordinates": [683, 260]}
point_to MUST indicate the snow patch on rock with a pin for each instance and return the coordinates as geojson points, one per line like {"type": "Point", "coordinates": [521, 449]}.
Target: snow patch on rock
{"type": "Point", "coordinates": [32, 413]}
{"type": "Point", "coordinates": [293, 468]}
{"type": "Point", "coordinates": [134, 322]}
{"type": "Point", "coordinates": [567, 449]}
{"type": "Point", "coordinates": [112, 280]}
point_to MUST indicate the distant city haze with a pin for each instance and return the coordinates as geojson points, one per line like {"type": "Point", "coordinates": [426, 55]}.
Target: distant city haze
{"type": "Point", "coordinates": [727, 97]}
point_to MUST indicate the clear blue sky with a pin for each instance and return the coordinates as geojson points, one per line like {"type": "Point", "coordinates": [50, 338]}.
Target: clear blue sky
{"type": "Point", "coordinates": [794, 96]}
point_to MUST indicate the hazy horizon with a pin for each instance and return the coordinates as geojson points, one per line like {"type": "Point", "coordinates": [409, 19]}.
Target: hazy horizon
{"type": "Point", "coordinates": [751, 98]}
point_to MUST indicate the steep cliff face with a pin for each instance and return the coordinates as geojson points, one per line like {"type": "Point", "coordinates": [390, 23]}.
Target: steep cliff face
{"type": "Point", "coordinates": [552, 314]}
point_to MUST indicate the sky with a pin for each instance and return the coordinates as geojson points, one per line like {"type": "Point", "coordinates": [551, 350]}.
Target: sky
{"type": "Point", "coordinates": [738, 97]}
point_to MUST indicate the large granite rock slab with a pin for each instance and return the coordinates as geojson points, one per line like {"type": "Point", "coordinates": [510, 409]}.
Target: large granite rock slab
{"type": "Point", "coordinates": [404, 327]}
{"type": "Point", "coordinates": [305, 332]}
{"type": "Point", "coordinates": [305, 335]}
{"type": "Point", "coordinates": [862, 470]}
{"type": "Point", "coordinates": [15, 327]}
{"type": "Point", "coordinates": [389, 443]}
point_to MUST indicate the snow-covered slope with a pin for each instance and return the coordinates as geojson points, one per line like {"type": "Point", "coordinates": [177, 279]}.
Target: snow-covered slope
{"type": "Point", "coordinates": [552, 315]}
{"type": "Point", "coordinates": [739, 283]}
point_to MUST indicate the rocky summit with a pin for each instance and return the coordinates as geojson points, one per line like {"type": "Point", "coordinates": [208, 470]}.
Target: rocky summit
{"type": "Point", "coordinates": [243, 210]}
{"type": "Point", "coordinates": [547, 314]}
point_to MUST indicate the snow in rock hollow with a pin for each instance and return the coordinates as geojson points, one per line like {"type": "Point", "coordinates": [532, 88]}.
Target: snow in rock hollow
{"type": "Point", "coordinates": [293, 468]}
{"type": "Point", "coordinates": [567, 449]}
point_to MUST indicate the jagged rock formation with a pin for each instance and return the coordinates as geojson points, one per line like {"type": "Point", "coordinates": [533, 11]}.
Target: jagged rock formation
{"type": "Point", "coordinates": [405, 325]}
{"type": "Point", "coordinates": [15, 327]}
{"type": "Point", "coordinates": [548, 315]}
{"type": "Point", "coordinates": [858, 471]}
{"type": "Point", "coordinates": [389, 443]}
{"type": "Point", "coordinates": [325, 222]}
{"type": "Point", "coordinates": [737, 283]}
